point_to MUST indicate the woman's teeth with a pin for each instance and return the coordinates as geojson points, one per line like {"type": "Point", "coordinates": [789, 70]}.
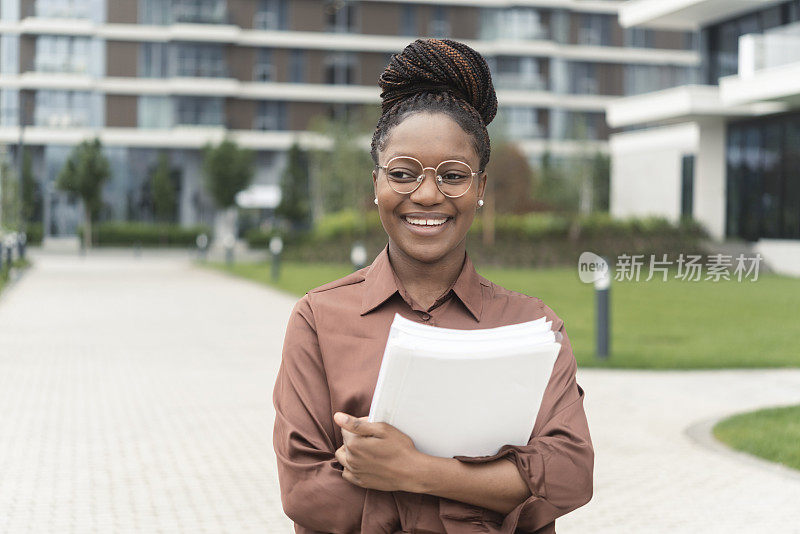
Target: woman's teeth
{"type": "Point", "coordinates": [426, 222]}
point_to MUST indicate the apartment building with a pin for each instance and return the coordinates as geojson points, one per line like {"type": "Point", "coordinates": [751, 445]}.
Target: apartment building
{"type": "Point", "coordinates": [153, 75]}
{"type": "Point", "coordinates": [725, 151]}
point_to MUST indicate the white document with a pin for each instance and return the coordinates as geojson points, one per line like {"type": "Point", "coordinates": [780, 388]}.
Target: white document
{"type": "Point", "coordinates": [464, 392]}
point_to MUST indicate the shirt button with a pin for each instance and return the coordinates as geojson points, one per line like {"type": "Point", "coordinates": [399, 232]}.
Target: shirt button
{"type": "Point", "coordinates": [426, 316]}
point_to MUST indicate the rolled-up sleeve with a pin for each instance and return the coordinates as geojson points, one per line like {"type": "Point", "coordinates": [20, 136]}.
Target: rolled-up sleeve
{"type": "Point", "coordinates": [557, 463]}
{"type": "Point", "coordinates": [313, 493]}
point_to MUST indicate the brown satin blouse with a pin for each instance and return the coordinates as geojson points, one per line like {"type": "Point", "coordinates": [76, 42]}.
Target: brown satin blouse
{"type": "Point", "coordinates": [331, 356]}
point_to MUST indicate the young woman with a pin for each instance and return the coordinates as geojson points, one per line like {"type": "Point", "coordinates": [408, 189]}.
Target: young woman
{"type": "Point", "coordinates": [339, 473]}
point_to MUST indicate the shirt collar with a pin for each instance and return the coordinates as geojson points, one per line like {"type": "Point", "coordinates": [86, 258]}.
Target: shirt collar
{"type": "Point", "coordinates": [380, 284]}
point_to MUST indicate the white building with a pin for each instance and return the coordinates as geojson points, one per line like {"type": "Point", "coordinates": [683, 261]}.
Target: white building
{"type": "Point", "coordinates": [726, 152]}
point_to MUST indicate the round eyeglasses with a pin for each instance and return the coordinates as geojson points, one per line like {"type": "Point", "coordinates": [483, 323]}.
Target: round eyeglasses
{"type": "Point", "coordinates": [405, 174]}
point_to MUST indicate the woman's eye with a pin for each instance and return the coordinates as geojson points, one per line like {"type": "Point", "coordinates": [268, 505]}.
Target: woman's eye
{"type": "Point", "coordinates": [401, 176]}
{"type": "Point", "coordinates": [454, 177]}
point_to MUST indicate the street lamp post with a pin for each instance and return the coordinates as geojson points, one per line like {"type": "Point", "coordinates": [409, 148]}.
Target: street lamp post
{"type": "Point", "coordinates": [358, 256]}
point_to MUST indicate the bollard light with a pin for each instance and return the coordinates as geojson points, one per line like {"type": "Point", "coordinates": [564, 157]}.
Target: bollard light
{"type": "Point", "coordinates": [602, 287]}
{"type": "Point", "coordinates": [202, 246]}
{"type": "Point", "coordinates": [22, 241]}
{"type": "Point", "coordinates": [228, 243]}
{"type": "Point", "coordinates": [358, 256]}
{"type": "Point", "coordinates": [275, 248]}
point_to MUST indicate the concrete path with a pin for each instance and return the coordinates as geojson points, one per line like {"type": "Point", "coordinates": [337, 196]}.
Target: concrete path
{"type": "Point", "coordinates": [135, 396]}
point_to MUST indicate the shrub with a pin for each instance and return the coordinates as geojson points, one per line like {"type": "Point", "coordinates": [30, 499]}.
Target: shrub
{"type": "Point", "coordinates": [147, 234]}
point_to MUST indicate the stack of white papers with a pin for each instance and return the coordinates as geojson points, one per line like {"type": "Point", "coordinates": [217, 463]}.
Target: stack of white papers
{"type": "Point", "coordinates": [464, 392]}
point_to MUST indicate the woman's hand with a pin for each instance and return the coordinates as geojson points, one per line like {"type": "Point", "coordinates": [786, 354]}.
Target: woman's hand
{"type": "Point", "coordinates": [377, 455]}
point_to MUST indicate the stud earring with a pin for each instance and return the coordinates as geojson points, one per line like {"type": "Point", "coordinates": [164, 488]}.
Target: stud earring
{"type": "Point", "coordinates": [480, 203]}
{"type": "Point", "coordinates": [376, 201]}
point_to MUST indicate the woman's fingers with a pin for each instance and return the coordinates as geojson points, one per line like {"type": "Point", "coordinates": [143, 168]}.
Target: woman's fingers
{"type": "Point", "coordinates": [341, 456]}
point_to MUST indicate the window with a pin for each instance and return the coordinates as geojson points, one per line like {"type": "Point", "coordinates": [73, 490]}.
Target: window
{"type": "Point", "coordinates": [341, 16]}
{"type": "Point", "coordinates": [199, 11]}
{"type": "Point", "coordinates": [439, 26]}
{"type": "Point", "coordinates": [521, 121]}
{"type": "Point", "coordinates": [156, 12]}
{"type": "Point", "coordinates": [155, 112]}
{"type": "Point", "coordinates": [763, 191]}
{"type": "Point", "coordinates": [271, 115]}
{"type": "Point", "coordinates": [271, 15]}
{"type": "Point", "coordinates": [408, 21]}
{"type": "Point", "coordinates": [62, 109]}
{"type": "Point", "coordinates": [594, 30]}
{"type": "Point", "coordinates": [200, 111]}
{"type": "Point", "coordinates": [297, 66]}
{"type": "Point", "coordinates": [62, 9]}
{"type": "Point", "coordinates": [647, 78]}
{"type": "Point", "coordinates": [340, 69]}
{"type": "Point", "coordinates": [200, 60]}
{"type": "Point", "coordinates": [517, 23]}
{"type": "Point", "coordinates": [639, 38]}
{"type": "Point", "coordinates": [56, 53]}
{"type": "Point", "coordinates": [512, 72]}
{"type": "Point", "coordinates": [583, 78]}
{"type": "Point", "coordinates": [154, 60]}
{"type": "Point", "coordinates": [263, 71]}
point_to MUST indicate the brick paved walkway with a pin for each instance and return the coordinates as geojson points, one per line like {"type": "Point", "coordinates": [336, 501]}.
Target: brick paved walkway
{"type": "Point", "coordinates": [135, 396]}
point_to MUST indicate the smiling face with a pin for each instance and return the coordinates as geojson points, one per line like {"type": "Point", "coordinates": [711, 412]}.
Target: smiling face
{"type": "Point", "coordinates": [430, 138]}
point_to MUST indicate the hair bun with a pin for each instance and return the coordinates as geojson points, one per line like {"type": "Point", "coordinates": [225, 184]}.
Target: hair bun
{"type": "Point", "coordinates": [439, 65]}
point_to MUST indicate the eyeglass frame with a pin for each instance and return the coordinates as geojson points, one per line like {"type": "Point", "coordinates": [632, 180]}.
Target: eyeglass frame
{"type": "Point", "coordinates": [421, 177]}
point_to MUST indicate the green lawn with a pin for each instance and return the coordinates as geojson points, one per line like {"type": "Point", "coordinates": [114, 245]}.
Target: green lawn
{"type": "Point", "coordinates": [772, 434]}
{"type": "Point", "coordinates": [656, 324]}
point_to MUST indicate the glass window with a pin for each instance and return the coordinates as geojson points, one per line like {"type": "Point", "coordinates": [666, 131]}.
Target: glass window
{"type": "Point", "coordinates": [200, 111]}
{"type": "Point", "coordinates": [513, 72]}
{"type": "Point", "coordinates": [341, 16]}
{"type": "Point", "coordinates": [408, 21]}
{"type": "Point", "coordinates": [200, 60]}
{"type": "Point", "coordinates": [60, 53]}
{"type": "Point", "coordinates": [517, 23]}
{"type": "Point", "coordinates": [439, 25]}
{"type": "Point", "coordinates": [297, 66]}
{"type": "Point", "coordinates": [271, 115]}
{"type": "Point", "coordinates": [594, 30]}
{"type": "Point", "coordinates": [340, 69]}
{"type": "Point", "coordinates": [271, 15]}
{"type": "Point", "coordinates": [583, 78]}
{"type": "Point", "coordinates": [62, 9]}
{"type": "Point", "coordinates": [639, 37]}
{"type": "Point", "coordinates": [791, 187]}
{"type": "Point", "coordinates": [154, 60]}
{"type": "Point", "coordinates": [199, 11]}
{"type": "Point", "coordinates": [155, 112]}
{"type": "Point", "coordinates": [156, 12]}
{"type": "Point", "coordinates": [263, 71]}
{"type": "Point", "coordinates": [521, 122]}
{"type": "Point", "coordinates": [62, 109]}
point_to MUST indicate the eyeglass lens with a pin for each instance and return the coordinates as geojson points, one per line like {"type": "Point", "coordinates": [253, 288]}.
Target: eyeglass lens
{"type": "Point", "coordinates": [452, 177]}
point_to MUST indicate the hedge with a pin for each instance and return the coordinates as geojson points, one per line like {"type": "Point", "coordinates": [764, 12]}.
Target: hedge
{"type": "Point", "coordinates": [538, 239]}
{"type": "Point", "coordinates": [146, 234]}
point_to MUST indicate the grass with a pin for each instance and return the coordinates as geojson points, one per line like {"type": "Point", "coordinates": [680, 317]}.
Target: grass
{"type": "Point", "coordinates": [772, 434]}
{"type": "Point", "coordinates": [654, 325]}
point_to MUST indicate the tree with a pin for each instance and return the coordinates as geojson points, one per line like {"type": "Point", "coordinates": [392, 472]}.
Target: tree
{"type": "Point", "coordinates": [601, 181]}
{"type": "Point", "coordinates": [295, 205]}
{"type": "Point", "coordinates": [228, 169]}
{"type": "Point", "coordinates": [83, 174]}
{"type": "Point", "coordinates": [31, 196]}
{"type": "Point", "coordinates": [512, 178]}
{"type": "Point", "coordinates": [342, 170]}
{"type": "Point", "coordinates": [164, 205]}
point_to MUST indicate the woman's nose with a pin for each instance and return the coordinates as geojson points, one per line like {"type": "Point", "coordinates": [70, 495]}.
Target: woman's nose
{"type": "Point", "coordinates": [428, 192]}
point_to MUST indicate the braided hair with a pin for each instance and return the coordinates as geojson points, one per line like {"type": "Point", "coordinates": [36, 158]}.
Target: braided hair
{"type": "Point", "coordinates": [438, 76]}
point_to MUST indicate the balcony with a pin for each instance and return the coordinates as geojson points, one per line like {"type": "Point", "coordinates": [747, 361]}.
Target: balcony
{"type": "Point", "coordinates": [769, 69]}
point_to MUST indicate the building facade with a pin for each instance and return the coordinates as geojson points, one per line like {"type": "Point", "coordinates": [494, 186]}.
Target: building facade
{"type": "Point", "coordinates": [726, 151]}
{"type": "Point", "coordinates": [153, 75]}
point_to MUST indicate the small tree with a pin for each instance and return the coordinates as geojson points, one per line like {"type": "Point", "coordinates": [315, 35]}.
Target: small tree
{"type": "Point", "coordinates": [228, 169]}
{"type": "Point", "coordinates": [163, 190]}
{"type": "Point", "coordinates": [295, 204]}
{"type": "Point", "coordinates": [83, 174]}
